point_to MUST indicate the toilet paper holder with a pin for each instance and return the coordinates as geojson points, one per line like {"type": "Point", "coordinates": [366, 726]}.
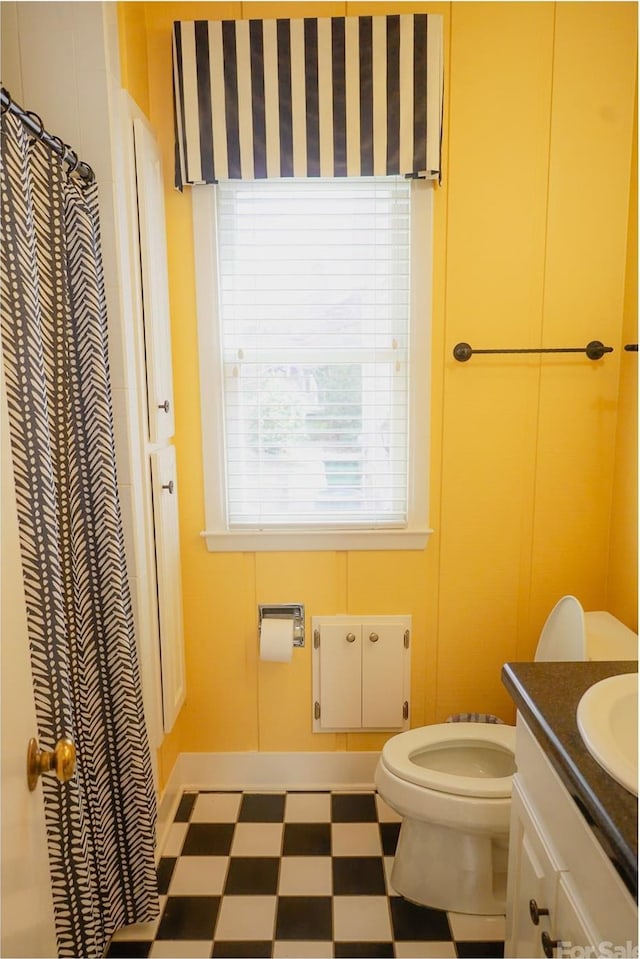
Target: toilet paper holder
{"type": "Point", "coordinates": [294, 611]}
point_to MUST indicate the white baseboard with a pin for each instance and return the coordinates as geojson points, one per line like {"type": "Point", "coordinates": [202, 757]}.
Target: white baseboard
{"type": "Point", "coordinates": [264, 771]}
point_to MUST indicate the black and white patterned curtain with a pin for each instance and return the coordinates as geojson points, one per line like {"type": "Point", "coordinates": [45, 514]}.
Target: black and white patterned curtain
{"type": "Point", "coordinates": [101, 824]}
{"type": "Point", "coordinates": [338, 96]}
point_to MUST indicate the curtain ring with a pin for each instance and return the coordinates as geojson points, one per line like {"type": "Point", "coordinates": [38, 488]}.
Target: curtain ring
{"type": "Point", "coordinates": [34, 116]}
{"type": "Point", "coordinates": [72, 169]}
{"type": "Point", "coordinates": [62, 147]}
{"type": "Point", "coordinates": [6, 106]}
{"type": "Point", "coordinates": [90, 178]}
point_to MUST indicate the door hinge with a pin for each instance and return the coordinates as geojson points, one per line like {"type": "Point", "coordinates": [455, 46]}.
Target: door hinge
{"type": "Point", "coordinates": [316, 710]}
{"type": "Point", "coordinates": [316, 639]}
{"type": "Point", "coordinates": [406, 639]}
{"type": "Point", "coordinates": [405, 710]}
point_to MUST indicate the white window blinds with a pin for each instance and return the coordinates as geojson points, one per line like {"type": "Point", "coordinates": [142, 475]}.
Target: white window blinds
{"type": "Point", "coordinates": [314, 292]}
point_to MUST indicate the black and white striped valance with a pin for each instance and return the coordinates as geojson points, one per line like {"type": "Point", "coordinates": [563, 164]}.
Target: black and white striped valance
{"type": "Point", "coordinates": [339, 96]}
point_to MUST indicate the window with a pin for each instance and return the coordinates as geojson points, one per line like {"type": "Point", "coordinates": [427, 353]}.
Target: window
{"type": "Point", "coordinates": [313, 317]}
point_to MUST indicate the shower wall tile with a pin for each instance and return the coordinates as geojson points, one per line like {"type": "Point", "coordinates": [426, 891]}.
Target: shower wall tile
{"type": "Point", "coordinates": [95, 130]}
{"type": "Point", "coordinates": [10, 55]}
{"type": "Point", "coordinates": [88, 40]}
{"type": "Point", "coordinates": [49, 80]}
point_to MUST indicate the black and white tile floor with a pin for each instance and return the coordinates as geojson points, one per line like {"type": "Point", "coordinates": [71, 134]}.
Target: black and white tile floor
{"type": "Point", "coordinates": [293, 875]}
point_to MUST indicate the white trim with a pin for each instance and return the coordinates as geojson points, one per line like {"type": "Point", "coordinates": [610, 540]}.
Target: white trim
{"type": "Point", "coordinates": [272, 772]}
{"type": "Point", "coordinates": [218, 538]}
{"type": "Point", "coordinates": [330, 539]}
{"type": "Point", "coordinates": [167, 808]}
{"type": "Point", "coordinates": [142, 559]}
{"type": "Point", "coordinates": [211, 386]}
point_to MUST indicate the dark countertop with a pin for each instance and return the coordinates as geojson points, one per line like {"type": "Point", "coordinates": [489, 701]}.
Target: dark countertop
{"type": "Point", "coordinates": [547, 695]}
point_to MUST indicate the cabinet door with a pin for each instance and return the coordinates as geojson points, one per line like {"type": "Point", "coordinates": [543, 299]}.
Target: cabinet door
{"type": "Point", "coordinates": [341, 677]}
{"type": "Point", "coordinates": [532, 876]}
{"type": "Point", "coordinates": [572, 929]}
{"type": "Point", "coordinates": [167, 539]}
{"type": "Point", "coordinates": [383, 662]}
{"type": "Point", "coordinates": [155, 284]}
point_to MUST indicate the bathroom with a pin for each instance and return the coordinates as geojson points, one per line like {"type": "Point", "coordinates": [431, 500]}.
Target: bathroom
{"type": "Point", "coordinates": [532, 460]}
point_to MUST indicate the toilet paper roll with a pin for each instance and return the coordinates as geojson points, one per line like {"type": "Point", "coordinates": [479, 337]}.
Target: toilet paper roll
{"type": "Point", "coordinates": [276, 640]}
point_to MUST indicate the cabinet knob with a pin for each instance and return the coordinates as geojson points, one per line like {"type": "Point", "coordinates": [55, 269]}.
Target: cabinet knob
{"type": "Point", "coordinates": [535, 911]}
{"type": "Point", "coordinates": [166, 406]}
{"type": "Point", "coordinates": [351, 638]}
{"type": "Point", "coordinates": [549, 944]}
{"type": "Point", "coordinates": [373, 637]}
{"type": "Point", "coordinates": [168, 486]}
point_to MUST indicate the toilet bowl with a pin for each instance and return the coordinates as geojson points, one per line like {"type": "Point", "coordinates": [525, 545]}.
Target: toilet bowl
{"type": "Point", "coordinates": [451, 782]}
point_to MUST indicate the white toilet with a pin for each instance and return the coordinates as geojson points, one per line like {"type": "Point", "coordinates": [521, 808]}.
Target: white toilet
{"type": "Point", "coordinates": [451, 782]}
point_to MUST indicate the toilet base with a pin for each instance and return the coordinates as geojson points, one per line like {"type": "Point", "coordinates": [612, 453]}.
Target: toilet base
{"type": "Point", "coordinates": [449, 869]}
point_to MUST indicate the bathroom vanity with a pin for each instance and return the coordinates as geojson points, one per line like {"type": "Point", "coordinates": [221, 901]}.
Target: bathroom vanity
{"type": "Point", "coordinates": [573, 867]}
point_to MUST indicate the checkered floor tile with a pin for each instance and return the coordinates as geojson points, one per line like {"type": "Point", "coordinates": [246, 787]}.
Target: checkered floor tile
{"type": "Point", "coordinates": [293, 875]}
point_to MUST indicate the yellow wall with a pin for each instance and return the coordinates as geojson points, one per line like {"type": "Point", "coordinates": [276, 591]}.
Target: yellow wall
{"type": "Point", "coordinates": [531, 226]}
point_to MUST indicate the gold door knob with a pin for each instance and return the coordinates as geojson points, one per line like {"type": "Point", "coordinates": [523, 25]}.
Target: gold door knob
{"type": "Point", "coordinates": [62, 761]}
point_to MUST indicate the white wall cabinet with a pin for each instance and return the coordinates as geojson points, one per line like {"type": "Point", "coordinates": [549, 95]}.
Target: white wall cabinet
{"type": "Point", "coordinates": [167, 542]}
{"type": "Point", "coordinates": [155, 284]}
{"type": "Point", "coordinates": [159, 496]}
{"type": "Point", "coordinates": [564, 896]}
{"type": "Point", "coordinates": [361, 672]}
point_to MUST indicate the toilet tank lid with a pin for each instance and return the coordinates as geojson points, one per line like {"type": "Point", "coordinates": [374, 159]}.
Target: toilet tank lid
{"type": "Point", "coordinates": [608, 638]}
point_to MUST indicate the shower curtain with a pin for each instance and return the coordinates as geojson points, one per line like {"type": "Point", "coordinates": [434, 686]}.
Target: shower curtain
{"type": "Point", "coordinates": [100, 824]}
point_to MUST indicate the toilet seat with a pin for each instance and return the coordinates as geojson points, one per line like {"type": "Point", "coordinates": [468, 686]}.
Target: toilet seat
{"type": "Point", "coordinates": [399, 752]}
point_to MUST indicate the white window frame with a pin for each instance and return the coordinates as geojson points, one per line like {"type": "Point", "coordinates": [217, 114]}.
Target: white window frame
{"type": "Point", "coordinates": [218, 537]}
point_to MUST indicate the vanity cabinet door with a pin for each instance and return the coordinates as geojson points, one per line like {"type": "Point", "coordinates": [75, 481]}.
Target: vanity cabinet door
{"type": "Point", "coordinates": [533, 877]}
{"type": "Point", "coordinates": [572, 927]}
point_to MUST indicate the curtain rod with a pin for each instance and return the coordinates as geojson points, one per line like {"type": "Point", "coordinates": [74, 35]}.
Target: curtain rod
{"type": "Point", "coordinates": [34, 124]}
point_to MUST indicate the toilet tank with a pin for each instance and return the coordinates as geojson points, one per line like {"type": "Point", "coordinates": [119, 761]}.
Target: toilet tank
{"type": "Point", "coordinates": [571, 635]}
{"type": "Point", "coordinates": [608, 638]}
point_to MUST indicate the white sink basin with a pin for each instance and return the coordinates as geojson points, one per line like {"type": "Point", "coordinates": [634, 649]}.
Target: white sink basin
{"type": "Point", "coordinates": [608, 723]}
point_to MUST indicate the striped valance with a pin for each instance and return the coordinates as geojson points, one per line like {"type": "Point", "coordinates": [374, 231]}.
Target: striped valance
{"type": "Point", "coordinates": [339, 96]}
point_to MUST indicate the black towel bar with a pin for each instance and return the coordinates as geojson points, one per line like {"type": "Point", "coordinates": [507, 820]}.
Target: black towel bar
{"type": "Point", "coordinates": [595, 350]}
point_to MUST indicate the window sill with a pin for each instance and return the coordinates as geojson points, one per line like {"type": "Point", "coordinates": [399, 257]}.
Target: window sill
{"type": "Point", "coordinates": [311, 541]}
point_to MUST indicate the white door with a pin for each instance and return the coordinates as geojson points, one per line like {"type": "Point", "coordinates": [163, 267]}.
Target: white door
{"type": "Point", "coordinates": [533, 878]}
{"type": "Point", "coordinates": [27, 906]}
{"type": "Point", "coordinates": [340, 676]}
{"type": "Point", "coordinates": [383, 668]}
{"type": "Point", "coordinates": [155, 283]}
{"type": "Point", "coordinates": [572, 925]}
{"type": "Point", "coordinates": [167, 537]}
